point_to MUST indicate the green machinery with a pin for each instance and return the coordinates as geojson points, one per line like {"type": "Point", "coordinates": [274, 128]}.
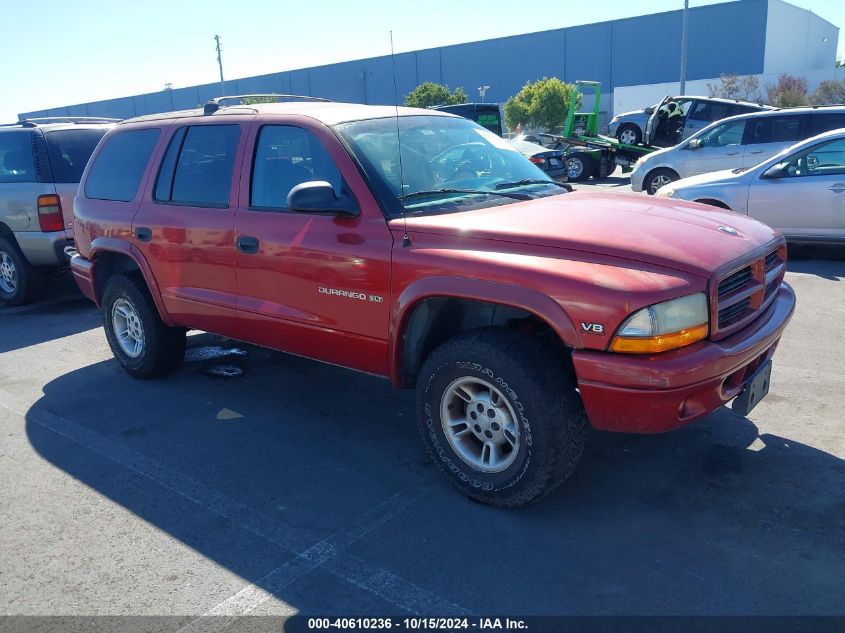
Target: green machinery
{"type": "Point", "coordinates": [588, 153]}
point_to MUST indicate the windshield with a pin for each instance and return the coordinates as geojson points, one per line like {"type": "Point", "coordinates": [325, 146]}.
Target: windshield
{"type": "Point", "coordinates": [447, 164]}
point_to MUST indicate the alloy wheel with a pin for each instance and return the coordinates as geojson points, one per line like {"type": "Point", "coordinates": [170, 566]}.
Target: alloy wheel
{"type": "Point", "coordinates": [480, 424]}
{"type": "Point", "coordinates": [8, 274]}
{"type": "Point", "coordinates": [127, 328]}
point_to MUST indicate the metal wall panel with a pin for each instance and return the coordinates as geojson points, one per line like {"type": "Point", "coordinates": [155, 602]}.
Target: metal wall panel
{"type": "Point", "coordinates": [723, 38]}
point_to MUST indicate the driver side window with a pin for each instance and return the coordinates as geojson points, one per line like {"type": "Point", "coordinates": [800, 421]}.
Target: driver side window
{"type": "Point", "coordinates": [286, 156]}
{"type": "Point", "coordinates": [827, 159]}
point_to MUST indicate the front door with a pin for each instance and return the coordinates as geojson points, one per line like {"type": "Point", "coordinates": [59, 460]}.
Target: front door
{"type": "Point", "coordinates": [313, 284]}
{"type": "Point", "coordinates": [808, 200]}
{"type": "Point", "coordinates": [184, 226]}
{"type": "Point", "coordinates": [720, 148]}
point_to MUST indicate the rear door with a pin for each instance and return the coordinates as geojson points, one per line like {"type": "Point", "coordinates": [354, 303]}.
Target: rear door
{"type": "Point", "coordinates": [719, 148]}
{"type": "Point", "coordinates": [766, 136]}
{"type": "Point", "coordinates": [808, 202]}
{"type": "Point", "coordinates": [184, 226]}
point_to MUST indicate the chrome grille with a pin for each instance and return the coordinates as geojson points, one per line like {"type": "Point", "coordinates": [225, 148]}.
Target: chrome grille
{"type": "Point", "coordinates": [745, 291]}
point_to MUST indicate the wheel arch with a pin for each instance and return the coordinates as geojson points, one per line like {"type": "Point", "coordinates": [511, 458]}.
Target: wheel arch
{"type": "Point", "coordinates": [113, 256]}
{"type": "Point", "coordinates": [432, 310]}
{"type": "Point", "coordinates": [714, 202]}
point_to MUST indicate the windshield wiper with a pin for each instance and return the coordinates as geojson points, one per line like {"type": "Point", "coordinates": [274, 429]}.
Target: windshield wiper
{"type": "Point", "coordinates": [533, 181]}
{"type": "Point", "coordinates": [435, 192]}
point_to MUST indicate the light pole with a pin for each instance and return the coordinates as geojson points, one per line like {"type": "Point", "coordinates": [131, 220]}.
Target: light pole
{"type": "Point", "coordinates": [482, 90]}
{"type": "Point", "coordinates": [220, 64]}
{"type": "Point", "coordinates": [684, 48]}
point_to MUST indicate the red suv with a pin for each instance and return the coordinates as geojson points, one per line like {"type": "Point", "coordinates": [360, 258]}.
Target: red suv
{"type": "Point", "coordinates": [419, 246]}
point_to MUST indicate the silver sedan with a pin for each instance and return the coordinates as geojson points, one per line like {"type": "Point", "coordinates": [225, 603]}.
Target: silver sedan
{"type": "Point", "coordinates": [800, 191]}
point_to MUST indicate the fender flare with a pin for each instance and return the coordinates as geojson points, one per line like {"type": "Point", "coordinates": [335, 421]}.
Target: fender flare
{"type": "Point", "coordinates": [533, 301]}
{"type": "Point", "coordinates": [102, 245]}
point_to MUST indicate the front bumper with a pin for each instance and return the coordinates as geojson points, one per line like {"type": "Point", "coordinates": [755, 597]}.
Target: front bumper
{"type": "Point", "coordinates": [637, 177]}
{"type": "Point", "coordinates": [661, 392]}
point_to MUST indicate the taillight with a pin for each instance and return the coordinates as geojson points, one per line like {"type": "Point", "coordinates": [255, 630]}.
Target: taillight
{"type": "Point", "coordinates": [50, 213]}
{"type": "Point", "coordinates": [537, 160]}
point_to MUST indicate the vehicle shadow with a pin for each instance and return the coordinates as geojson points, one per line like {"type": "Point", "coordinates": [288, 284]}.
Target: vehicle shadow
{"type": "Point", "coordinates": [711, 519]}
{"type": "Point", "coordinates": [60, 311]}
{"type": "Point", "coordinates": [827, 261]}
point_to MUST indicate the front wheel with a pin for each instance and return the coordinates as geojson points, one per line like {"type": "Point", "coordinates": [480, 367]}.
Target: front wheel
{"type": "Point", "coordinates": [657, 179]}
{"type": "Point", "coordinates": [500, 416]}
{"type": "Point", "coordinates": [629, 134]}
{"type": "Point", "coordinates": [140, 341]}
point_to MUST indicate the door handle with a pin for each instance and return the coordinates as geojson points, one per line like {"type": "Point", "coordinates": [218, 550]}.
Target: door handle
{"type": "Point", "coordinates": [247, 244]}
{"type": "Point", "coordinates": [837, 188]}
{"type": "Point", "coordinates": [756, 151]}
{"type": "Point", "coordinates": [143, 233]}
{"type": "Point", "coordinates": [731, 153]}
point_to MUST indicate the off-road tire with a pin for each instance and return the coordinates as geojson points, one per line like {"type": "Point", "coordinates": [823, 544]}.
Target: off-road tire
{"type": "Point", "coordinates": [539, 388]}
{"type": "Point", "coordinates": [164, 346]}
{"type": "Point", "coordinates": [27, 277]}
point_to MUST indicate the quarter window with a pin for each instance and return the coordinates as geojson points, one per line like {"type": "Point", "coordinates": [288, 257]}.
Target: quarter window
{"type": "Point", "coordinates": [16, 164]}
{"type": "Point", "coordinates": [118, 168]}
{"type": "Point", "coordinates": [286, 156]}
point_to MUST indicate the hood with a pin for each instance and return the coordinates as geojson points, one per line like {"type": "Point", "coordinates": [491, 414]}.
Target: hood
{"type": "Point", "coordinates": [666, 232]}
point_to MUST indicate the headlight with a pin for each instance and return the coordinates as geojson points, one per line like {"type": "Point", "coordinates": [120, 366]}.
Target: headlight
{"type": "Point", "coordinates": [615, 119]}
{"type": "Point", "coordinates": [664, 326]}
{"type": "Point", "coordinates": [666, 191]}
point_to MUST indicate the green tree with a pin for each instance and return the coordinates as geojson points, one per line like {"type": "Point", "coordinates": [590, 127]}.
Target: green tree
{"type": "Point", "coordinates": [431, 94]}
{"type": "Point", "coordinates": [254, 100]}
{"type": "Point", "coordinates": [543, 103]}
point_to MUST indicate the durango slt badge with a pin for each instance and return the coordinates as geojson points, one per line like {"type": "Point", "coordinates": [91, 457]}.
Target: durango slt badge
{"type": "Point", "coordinates": [350, 294]}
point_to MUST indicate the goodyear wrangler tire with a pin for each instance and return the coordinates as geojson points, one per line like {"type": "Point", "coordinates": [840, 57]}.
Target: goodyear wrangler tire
{"type": "Point", "coordinates": [500, 416]}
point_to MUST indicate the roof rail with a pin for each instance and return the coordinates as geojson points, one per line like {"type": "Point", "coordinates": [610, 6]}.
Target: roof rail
{"type": "Point", "coordinates": [213, 105]}
{"type": "Point", "coordinates": [813, 107]}
{"type": "Point", "coordinates": [32, 122]}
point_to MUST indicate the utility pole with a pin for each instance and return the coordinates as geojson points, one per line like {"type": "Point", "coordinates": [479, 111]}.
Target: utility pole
{"type": "Point", "coordinates": [220, 64]}
{"type": "Point", "coordinates": [683, 48]}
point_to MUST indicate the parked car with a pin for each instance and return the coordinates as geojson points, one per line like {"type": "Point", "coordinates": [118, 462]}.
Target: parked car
{"type": "Point", "coordinates": [740, 141]}
{"type": "Point", "coordinates": [800, 192]}
{"type": "Point", "coordinates": [516, 309]}
{"type": "Point", "coordinates": [549, 160]}
{"type": "Point", "coordinates": [41, 162]}
{"type": "Point", "coordinates": [696, 114]}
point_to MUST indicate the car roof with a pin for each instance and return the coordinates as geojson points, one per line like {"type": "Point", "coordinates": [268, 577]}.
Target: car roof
{"type": "Point", "coordinates": [328, 112]}
{"type": "Point", "coordinates": [777, 112]}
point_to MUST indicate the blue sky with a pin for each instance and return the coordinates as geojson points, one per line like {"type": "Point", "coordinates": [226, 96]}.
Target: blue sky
{"type": "Point", "coordinates": [71, 52]}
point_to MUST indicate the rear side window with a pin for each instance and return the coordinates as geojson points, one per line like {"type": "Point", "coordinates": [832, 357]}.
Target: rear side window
{"type": "Point", "coordinates": [774, 129]}
{"type": "Point", "coordinates": [286, 156]}
{"type": "Point", "coordinates": [197, 167]}
{"type": "Point", "coordinates": [69, 152]}
{"type": "Point", "coordinates": [16, 164]}
{"type": "Point", "coordinates": [826, 122]}
{"type": "Point", "coordinates": [118, 168]}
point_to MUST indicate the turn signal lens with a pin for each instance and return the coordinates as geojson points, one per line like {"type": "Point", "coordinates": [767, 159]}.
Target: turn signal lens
{"type": "Point", "coordinates": [50, 213]}
{"type": "Point", "coordinates": [661, 343]}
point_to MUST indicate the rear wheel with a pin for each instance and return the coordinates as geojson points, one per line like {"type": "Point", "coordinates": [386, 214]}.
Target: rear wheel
{"type": "Point", "coordinates": [18, 278]}
{"type": "Point", "coordinates": [629, 134]}
{"type": "Point", "coordinates": [139, 339]}
{"type": "Point", "coordinates": [657, 179]}
{"type": "Point", "coordinates": [500, 416]}
{"type": "Point", "coordinates": [579, 166]}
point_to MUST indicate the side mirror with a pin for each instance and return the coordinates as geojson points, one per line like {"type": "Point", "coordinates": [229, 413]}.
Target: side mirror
{"type": "Point", "coordinates": [318, 196]}
{"type": "Point", "coordinates": [776, 171]}
{"type": "Point", "coordinates": [649, 110]}
{"type": "Point", "coordinates": [694, 143]}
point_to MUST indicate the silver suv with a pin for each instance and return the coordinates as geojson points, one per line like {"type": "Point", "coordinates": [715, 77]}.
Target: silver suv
{"type": "Point", "coordinates": [41, 163]}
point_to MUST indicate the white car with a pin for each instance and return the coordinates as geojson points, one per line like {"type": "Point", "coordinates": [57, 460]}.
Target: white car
{"type": "Point", "coordinates": [739, 141]}
{"type": "Point", "coordinates": [800, 192]}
